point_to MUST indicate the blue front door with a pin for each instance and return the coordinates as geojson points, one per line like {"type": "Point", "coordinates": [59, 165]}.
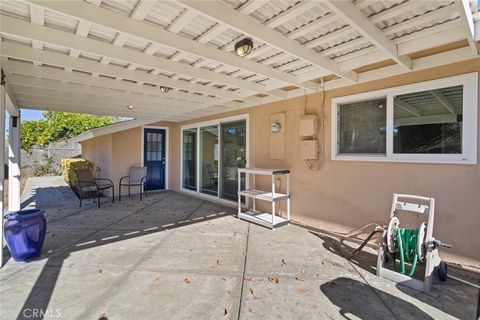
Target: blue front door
{"type": "Point", "coordinates": [154, 158]}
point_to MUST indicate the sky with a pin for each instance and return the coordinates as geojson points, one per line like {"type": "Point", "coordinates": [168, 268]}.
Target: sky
{"type": "Point", "coordinates": [28, 114]}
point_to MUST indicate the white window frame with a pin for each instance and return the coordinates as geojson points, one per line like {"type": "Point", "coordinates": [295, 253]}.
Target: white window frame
{"type": "Point", "coordinates": [197, 126]}
{"type": "Point", "coordinates": [469, 130]}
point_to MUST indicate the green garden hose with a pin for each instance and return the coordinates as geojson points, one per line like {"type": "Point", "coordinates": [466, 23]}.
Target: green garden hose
{"type": "Point", "coordinates": [406, 249]}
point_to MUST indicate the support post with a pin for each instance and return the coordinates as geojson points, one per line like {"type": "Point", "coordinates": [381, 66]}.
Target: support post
{"type": "Point", "coordinates": [14, 164]}
{"type": "Point", "coordinates": [2, 156]}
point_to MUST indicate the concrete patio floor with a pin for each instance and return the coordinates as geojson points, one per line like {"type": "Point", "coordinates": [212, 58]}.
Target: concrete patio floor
{"type": "Point", "coordinates": [173, 256]}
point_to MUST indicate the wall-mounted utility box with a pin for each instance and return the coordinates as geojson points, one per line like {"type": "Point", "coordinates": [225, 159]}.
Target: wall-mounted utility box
{"type": "Point", "coordinates": [309, 149]}
{"type": "Point", "coordinates": [309, 125]}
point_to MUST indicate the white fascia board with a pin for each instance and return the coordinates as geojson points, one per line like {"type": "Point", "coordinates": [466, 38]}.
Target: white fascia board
{"type": "Point", "coordinates": [109, 129]}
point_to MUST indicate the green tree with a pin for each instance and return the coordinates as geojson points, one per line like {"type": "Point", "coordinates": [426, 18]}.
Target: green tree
{"type": "Point", "coordinates": [58, 126]}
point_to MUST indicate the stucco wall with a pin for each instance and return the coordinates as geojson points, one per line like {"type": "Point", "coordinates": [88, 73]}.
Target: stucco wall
{"type": "Point", "coordinates": [99, 151]}
{"type": "Point", "coordinates": [344, 195]}
{"type": "Point", "coordinates": [126, 153]}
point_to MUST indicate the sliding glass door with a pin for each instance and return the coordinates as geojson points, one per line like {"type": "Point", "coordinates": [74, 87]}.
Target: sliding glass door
{"type": "Point", "coordinates": [233, 157]}
{"type": "Point", "coordinates": [189, 165]}
{"type": "Point", "coordinates": [211, 156]}
{"type": "Point", "coordinates": [209, 160]}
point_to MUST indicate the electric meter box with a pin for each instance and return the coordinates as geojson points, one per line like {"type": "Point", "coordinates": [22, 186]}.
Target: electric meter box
{"type": "Point", "coordinates": [309, 149]}
{"type": "Point", "coordinates": [309, 125]}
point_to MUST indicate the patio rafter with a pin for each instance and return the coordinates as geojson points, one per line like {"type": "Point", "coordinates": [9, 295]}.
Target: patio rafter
{"type": "Point", "coordinates": [61, 60]}
{"type": "Point", "coordinates": [453, 56]}
{"type": "Point", "coordinates": [29, 31]}
{"type": "Point", "coordinates": [75, 77]}
{"type": "Point", "coordinates": [166, 38]}
{"type": "Point", "coordinates": [34, 83]}
{"type": "Point", "coordinates": [466, 18]}
{"type": "Point", "coordinates": [354, 17]}
{"type": "Point", "coordinates": [244, 24]}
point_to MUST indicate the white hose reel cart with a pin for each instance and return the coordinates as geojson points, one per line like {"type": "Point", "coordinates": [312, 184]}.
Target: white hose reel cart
{"type": "Point", "coordinates": [411, 245]}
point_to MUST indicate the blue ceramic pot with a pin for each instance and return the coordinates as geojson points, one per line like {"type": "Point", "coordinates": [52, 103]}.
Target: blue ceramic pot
{"type": "Point", "coordinates": [25, 232]}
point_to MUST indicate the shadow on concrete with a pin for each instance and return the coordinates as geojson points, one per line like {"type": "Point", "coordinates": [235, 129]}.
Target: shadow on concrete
{"type": "Point", "coordinates": [51, 197]}
{"type": "Point", "coordinates": [368, 262]}
{"type": "Point", "coordinates": [41, 293]}
{"type": "Point", "coordinates": [341, 293]}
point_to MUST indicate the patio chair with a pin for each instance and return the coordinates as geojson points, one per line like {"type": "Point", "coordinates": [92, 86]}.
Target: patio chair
{"type": "Point", "coordinates": [136, 178]}
{"type": "Point", "coordinates": [89, 185]}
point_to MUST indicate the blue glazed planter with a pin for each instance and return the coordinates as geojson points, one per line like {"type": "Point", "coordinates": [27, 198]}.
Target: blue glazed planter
{"type": "Point", "coordinates": [25, 232]}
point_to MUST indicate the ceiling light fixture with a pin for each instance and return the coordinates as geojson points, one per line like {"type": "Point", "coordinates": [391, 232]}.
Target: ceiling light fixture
{"type": "Point", "coordinates": [243, 47]}
{"type": "Point", "coordinates": [129, 107]}
{"type": "Point", "coordinates": [164, 89]}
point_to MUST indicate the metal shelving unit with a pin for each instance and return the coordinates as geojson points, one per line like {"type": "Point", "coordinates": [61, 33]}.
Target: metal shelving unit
{"type": "Point", "coordinates": [269, 220]}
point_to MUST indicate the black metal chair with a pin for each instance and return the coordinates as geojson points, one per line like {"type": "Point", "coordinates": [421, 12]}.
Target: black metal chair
{"type": "Point", "coordinates": [136, 178]}
{"type": "Point", "coordinates": [90, 187]}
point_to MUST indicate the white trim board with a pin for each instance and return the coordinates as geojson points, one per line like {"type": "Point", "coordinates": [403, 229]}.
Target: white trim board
{"type": "Point", "coordinates": [167, 150]}
{"type": "Point", "coordinates": [109, 129]}
{"type": "Point", "coordinates": [469, 130]}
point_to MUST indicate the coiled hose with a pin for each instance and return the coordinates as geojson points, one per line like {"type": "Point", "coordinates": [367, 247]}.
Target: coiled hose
{"type": "Point", "coordinates": [406, 249]}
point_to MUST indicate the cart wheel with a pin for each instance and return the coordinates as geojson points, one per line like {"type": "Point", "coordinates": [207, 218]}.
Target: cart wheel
{"type": "Point", "coordinates": [442, 271]}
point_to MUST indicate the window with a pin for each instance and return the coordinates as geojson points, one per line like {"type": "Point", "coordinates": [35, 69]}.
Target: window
{"type": "Point", "coordinates": [433, 122]}
{"type": "Point", "coordinates": [360, 127]}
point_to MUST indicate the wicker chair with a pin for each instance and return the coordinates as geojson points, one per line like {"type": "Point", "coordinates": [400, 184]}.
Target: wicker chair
{"type": "Point", "coordinates": [90, 187]}
{"type": "Point", "coordinates": [136, 178]}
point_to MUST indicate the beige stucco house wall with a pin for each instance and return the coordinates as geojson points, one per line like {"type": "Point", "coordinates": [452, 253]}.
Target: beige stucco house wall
{"type": "Point", "coordinates": [343, 194]}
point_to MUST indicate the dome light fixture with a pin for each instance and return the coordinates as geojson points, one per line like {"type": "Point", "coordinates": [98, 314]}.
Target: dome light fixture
{"type": "Point", "coordinates": [129, 107]}
{"type": "Point", "coordinates": [243, 47]}
{"type": "Point", "coordinates": [164, 89]}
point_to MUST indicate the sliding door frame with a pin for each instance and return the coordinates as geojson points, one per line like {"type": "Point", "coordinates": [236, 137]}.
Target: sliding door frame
{"type": "Point", "coordinates": [199, 125]}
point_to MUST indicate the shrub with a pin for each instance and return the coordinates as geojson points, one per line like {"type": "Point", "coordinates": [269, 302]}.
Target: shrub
{"type": "Point", "coordinates": [69, 165]}
{"type": "Point", "coordinates": [45, 168]}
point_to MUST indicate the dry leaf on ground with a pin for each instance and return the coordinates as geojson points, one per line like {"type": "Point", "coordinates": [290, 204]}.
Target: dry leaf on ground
{"type": "Point", "coordinates": [186, 280]}
{"type": "Point", "coordinates": [225, 312]}
{"type": "Point", "coordinates": [299, 278]}
{"type": "Point", "coordinates": [247, 278]}
{"type": "Point", "coordinates": [283, 262]}
{"type": "Point", "coordinates": [303, 290]}
{"type": "Point", "coordinates": [273, 279]}
{"type": "Point", "coordinates": [100, 270]}
{"type": "Point", "coordinates": [251, 290]}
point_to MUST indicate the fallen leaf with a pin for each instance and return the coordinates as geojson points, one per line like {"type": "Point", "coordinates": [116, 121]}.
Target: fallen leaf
{"type": "Point", "coordinates": [299, 278]}
{"type": "Point", "coordinates": [247, 278]}
{"type": "Point", "coordinates": [251, 291]}
{"type": "Point", "coordinates": [273, 279]}
{"type": "Point", "coordinates": [283, 262]}
{"type": "Point", "coordinates": [100, 270]}
{"type": "Point", "coordinates": [303, 290]}
{"type": "Point", "coordinates": [156, 278]}
{"type": "Point", "coordinates": [225, 312]}
{"type": "Point", "coordinates": [224, 279]}
{"type": "Point", "coordinates": [186, 280]}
